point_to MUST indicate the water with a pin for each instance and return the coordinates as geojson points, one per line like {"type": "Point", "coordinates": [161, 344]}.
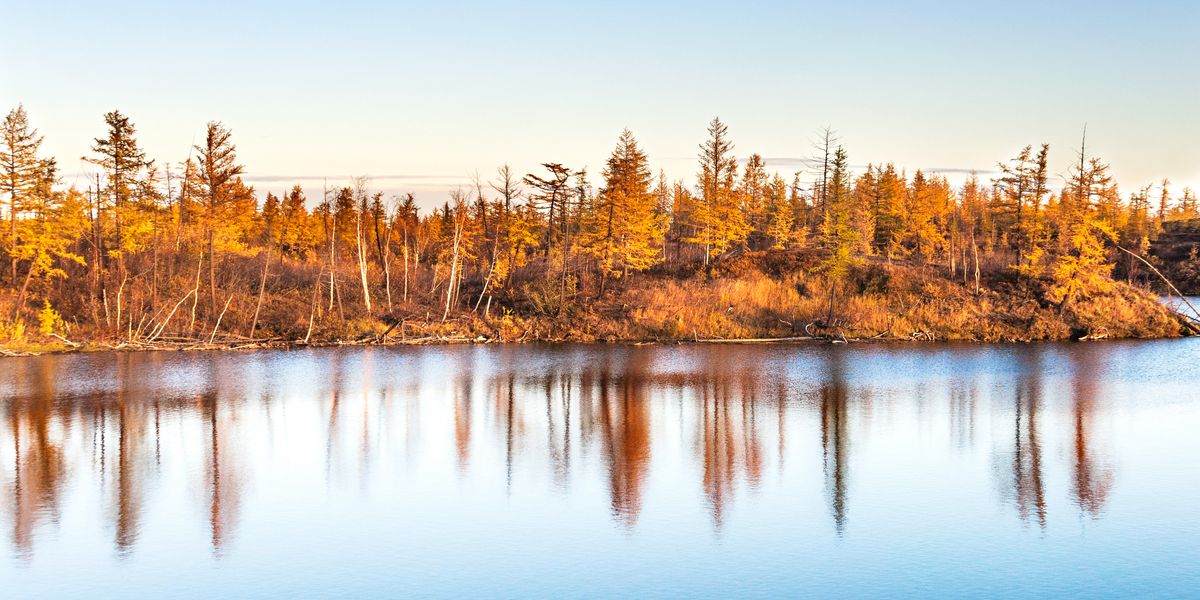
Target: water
{"type": "Point", "coordinates": [552, 471]}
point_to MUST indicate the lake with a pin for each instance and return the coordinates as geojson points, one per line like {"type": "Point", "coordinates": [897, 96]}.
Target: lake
{"type": "Point", "coordinates": [607, 470]}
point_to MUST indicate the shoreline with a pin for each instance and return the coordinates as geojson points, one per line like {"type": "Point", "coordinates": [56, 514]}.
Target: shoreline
{"type": "Point", "coordinates": [90, 347]}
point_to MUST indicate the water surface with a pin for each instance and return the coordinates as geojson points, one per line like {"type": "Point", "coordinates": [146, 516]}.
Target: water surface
{"type": "Point", "coordinates": [551, 471]}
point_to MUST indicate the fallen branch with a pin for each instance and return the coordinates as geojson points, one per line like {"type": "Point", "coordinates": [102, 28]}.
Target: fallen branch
{"type": "Point", "coordinates": [66, 341]}
{"type": "Point", "coordinates": [756, 340]}
{"type": "Point", "coordinates": [1164, 278]}
{"type": "Point", "coordinates": [219, 317]}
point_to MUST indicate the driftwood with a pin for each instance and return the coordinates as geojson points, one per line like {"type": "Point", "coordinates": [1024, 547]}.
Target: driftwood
{"type": "Point", "coordinates": [396, 323]}
{"type": "Point", "coordinates": [66, 341]}
{"type": "Point", "coordinates": [756, 340]}
{"type": "Point", "coordinates": [219, 317]}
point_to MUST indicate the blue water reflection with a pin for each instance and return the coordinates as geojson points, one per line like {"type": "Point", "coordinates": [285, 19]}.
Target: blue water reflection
{"type": "Point", "coordinates": [550, 471]}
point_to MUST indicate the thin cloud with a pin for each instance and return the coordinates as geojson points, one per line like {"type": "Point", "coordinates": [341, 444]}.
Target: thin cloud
{"type": "Point", "coordinates": [286, 178]}
{"type": "Point", "coordinates": [960, 171]}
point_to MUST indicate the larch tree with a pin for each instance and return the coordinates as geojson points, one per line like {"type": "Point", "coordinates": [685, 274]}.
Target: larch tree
{"type": "Point", "coordinates": [124, 164]}
{"type": "Point", "coordinates": [1024, 182]}
{"type": "Point", "coordinates": [779, 215]}
{"type": "Point", "coordinates": [885, 190]}
{"type": "Point", "coordinates": [552, 193]}
{"type": "Point", "coordinates": [1187, 204]}
{"type": "Point", "coordinates": [1080, 264]}
{"type": "Point", "coordinates": [21, 170]}
{"type": "Point", "coordinates": [508, 186]}
{"type": "Point", "coordinates": [839, 235]}
{"type": "Point", "coordinates": [973, 208]}
{"type": "Point", "coordinates": [718, 221]}
{"type": "Point", "coordinates": [217, 170]}
{"type": "Point", "coordinates": [48, 233]}
{"type": "Point", "coordinates": [622, 229]}
{"type": "Point", "coordinates": [926, 199]}
{"type": "Point", "coordinates": [753, 191]}
{"type": "Point", "coordinates": [824, 148]}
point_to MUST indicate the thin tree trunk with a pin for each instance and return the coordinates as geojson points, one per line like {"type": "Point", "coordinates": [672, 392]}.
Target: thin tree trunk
{"type": "Point", "coordinates": [196, 293]}
{"type": "Point", "coordinates": [120, 291]}
{"type": "Point", "coordinates": [312, 311]}
{"type": "Point", "coordinates": [212, 271]}
{"type": "Point", "coordinates": [404, 298]}
{"type": "Point", "coordinates": [975, 252]}
{"type": "Point", "coordinates": [362, 263]}
{"type": "Point", "coordinates": [453, 269]}
{"type": "Point", "coordinates": [21, 297]}
{"type": "Point", "coordinates": [262, 288]}
{"type": "Point", "coordinates": [486, 280]}
{"type": "Point", "coordinates": [219, 317]}
{"type": "Point", "coordinates": [387, 270]}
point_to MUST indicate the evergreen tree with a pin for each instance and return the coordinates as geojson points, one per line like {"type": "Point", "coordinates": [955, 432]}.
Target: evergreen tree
{"type": "Point", "coordinates": [839, 235]}
{"type": "Point", "coordinates": [216, 181]}
{"type": "Point", "coordinates": [48, 234]}
{"type": "Point", "coordinates": [718, 221]}
{"type": "Point", "coordinates": [753, 191]}
{"type": "Point", "coordinates": [1080, 264]}
{"type": "Point", "coordinates": [926, 202]}
{"type": "Point", "coordinates": [623, 229]}
{"type": "Point", "coordinates": [20, 169]}
{"type": "Point", "coordinates": [124, 165]}
{"type": "Point", "coordinates": [780, 229]}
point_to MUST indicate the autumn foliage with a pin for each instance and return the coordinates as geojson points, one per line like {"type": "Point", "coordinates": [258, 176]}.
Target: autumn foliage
{"type": "Point", "coordinates": [150, 252]}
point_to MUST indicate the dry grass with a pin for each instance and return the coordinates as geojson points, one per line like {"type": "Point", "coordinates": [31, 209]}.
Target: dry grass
{"type": "Point", "coordinates": [877, 300]}
{"type": "Point", "coordinates": [759, 295]}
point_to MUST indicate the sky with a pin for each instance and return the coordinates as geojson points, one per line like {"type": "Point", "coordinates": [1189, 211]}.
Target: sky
{"type": "Point", "coordinates": [420, 96]}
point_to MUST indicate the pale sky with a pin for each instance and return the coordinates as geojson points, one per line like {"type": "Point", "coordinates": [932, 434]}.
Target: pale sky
{"type": "Point", "coordinates": [420, 96]}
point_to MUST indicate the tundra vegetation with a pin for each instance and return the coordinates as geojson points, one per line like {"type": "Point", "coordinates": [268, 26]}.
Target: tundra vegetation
{"type": "Point", "coordinates": [157, 254]}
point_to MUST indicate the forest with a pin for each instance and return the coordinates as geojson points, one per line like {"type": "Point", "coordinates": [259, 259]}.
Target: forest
{"type": "Point", "coordinates": [152, 254]}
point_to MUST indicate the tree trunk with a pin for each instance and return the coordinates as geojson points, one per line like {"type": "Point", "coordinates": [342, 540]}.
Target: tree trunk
{"type": "Point", "coordinates": [21, 297]}
{"type": "Point", "coordinates": [262, 287]}
{"type": "Point", "coordinates": [362, 261]}
{"type": "Point", "coordinates": [453, 270]}
{"type": "Point", "coordinates": [212, 271]}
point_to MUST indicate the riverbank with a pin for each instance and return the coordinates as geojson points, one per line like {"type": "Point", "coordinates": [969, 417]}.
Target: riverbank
{"type": "Point", "coordinates": [757, 298]}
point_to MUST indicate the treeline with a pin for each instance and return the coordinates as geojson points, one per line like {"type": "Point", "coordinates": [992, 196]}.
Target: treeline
{"type": "Point", "coordinates": [152, 251]}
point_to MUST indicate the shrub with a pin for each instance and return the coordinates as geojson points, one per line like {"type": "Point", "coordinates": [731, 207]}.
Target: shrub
{"type": "Point", "coordinates": [12, 331]}
{"type": "Point", "coordinates": [49, 321]}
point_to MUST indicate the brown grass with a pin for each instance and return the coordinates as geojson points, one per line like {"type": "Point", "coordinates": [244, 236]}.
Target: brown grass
{"type": "Point", "coordinates": [758, 295]}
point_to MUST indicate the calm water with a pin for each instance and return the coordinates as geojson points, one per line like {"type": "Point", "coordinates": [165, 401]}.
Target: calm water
{"type": "Point", "coordinates": [697, 471]}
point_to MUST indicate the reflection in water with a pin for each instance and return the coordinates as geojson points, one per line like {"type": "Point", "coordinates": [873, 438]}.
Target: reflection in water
{"type": "Point", "coordinates": [622, 423]}
{"type": "Point", "coordinates": [1027, 447]}
{"type": "Point", "coordinates": [834, 444]}
{"type": "Point", "coordinates": [38, 464]}
{"type": "Point", "coordinates": [549, 417]}
{"type": "Point", "coordinates": [1091, 480]}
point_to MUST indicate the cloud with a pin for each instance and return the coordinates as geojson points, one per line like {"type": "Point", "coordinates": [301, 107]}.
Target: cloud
{"type": "Point", "coordinates": [788, 161]}
{"type": "Point", "coordinates": [960, 171]}
{"type": "Point", "coordinates": [269, 178]}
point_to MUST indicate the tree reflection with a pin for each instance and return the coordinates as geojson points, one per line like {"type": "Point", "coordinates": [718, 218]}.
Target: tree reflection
{"type": "Point", "coordinates": [834, 438]}
{"type": "Point", "coordinates": [1029, 489]}
{"type": "Point", "coordinates": [729, 446]}
{"type": "Point", "coordinates": [39, 466]}
{"type": "Point", "coordinates": [1091, 480]}
{"type": "Point", "coordinates": [620, 410]}
{"type": "Point", "coordinates": [462, 422]}
{"type": "Point", "coordinates": [624, 426]}
{"type": "Point", "coordinates": [222, 481]}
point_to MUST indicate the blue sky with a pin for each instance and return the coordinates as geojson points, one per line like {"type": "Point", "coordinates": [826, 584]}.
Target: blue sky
{"type": "Point", "coordinates": [421, 95]}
